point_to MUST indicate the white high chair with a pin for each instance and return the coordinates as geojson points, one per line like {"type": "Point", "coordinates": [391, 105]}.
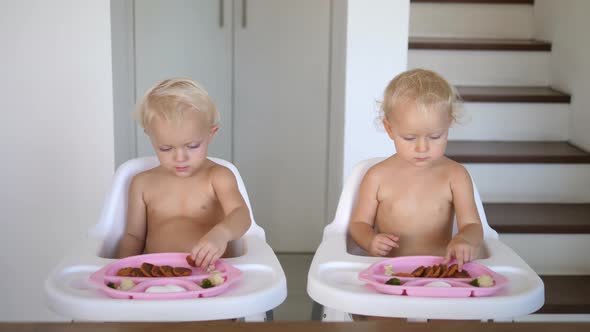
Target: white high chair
{"type": "Point", "coordinates": [333, 276]}
{"type": "Point", "coordinates": [68, 292]}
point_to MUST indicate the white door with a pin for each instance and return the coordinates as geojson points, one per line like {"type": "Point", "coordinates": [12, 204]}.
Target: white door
{"type": "Point", "coordinates": [192, 39]}
{"type": "Point", "coordinates": [281, 116]}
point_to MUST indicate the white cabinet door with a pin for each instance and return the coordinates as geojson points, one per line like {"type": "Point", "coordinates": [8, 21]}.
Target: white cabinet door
{"type": "Point", "coordinates": [281, 116]}
{"type": "Point", "coordinates": [186, 38]}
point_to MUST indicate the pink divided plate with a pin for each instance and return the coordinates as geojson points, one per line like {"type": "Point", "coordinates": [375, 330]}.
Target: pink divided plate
{"type": "Point", "coordinates": [375, 277]}
{"type": "Point", "coordinates": [191, 284]}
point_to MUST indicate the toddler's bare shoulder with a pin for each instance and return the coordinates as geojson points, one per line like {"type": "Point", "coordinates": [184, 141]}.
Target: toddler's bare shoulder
{"type": "Point", "coordinates": [145, 178]}
{"type": "Point", "coordinates": [382, 168]}
{"type": "Point", "coordinates": [220, 173]}
{"type": "Point", "coordinates": [455, 170]}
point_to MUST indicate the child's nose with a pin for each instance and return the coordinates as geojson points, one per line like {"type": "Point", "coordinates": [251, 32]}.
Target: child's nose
{"type": "Point", "coordinates": [421, 145]}
{"type": "Point", "coordinates": [180, 155]}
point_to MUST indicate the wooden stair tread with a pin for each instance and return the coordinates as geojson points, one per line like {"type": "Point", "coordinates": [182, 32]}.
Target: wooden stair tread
{"type": "Point", "coordinates": [507, 2]}
{"type": "Point", "coordinates": [536, 218]}
{"type": "Point", "coordinates": [516, 152]}
{"type": "Point", "coordinates": [510, 94]}
{"type": "Point", "coordinates": [566, 294]}
{"type": "Point", "coordinates": [488, 44]}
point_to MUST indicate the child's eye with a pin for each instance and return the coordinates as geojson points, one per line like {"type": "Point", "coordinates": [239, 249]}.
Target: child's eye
{"type": "Point", "coordinates": [165, 149]}
{"type": "Point", "coordinates": [436, 137]}
{"type": "Point", "coordinates": [194, 146]}
{"type": "Point", "coordinates": [409, 138]}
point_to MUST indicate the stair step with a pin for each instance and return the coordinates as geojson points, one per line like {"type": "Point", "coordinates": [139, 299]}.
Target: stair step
{"type": "Point", "coordinates": [508, 94]}
{"type": "Point", "coordinates": [472, 20]}
{"type": "Point", "coordinates": [485, 68]}
{"type": "Point", "coordinates": [507, 2]}
{"type": "Point", "coordinates": [539, 218]}
{"type": "Point", "coordinates": [478, 44]}
{"type": "Point", "coordinates": [490, 121]}
{"type": "Point", "coordinates": [516, 152]}
{"type": "Point", "coordinates": [566, 294]}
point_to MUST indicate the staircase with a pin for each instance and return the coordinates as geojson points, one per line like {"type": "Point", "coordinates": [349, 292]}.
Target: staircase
{"type": "Point", "coordinates": [513, 137]}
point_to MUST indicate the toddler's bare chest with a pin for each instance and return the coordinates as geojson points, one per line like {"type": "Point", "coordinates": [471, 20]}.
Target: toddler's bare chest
{"type": "Point", "coordinates": [169, 202]}
{"type": "Point", "coordinates": [418, 199]}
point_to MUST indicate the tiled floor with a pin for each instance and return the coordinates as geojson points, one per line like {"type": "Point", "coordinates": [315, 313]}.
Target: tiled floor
{"type": "Point", "coordinates": [298, 304]}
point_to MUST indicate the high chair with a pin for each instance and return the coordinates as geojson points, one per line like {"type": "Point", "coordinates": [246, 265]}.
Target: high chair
{"type": "Point", "coordinates": [262, 287]}
{"type": "Point", "coordinates": [333, 276]}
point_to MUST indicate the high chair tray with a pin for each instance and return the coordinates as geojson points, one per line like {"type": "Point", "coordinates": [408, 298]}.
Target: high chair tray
{"type": "Point", "coordinates": [430, 278]}
{"type": "Point", "coordinates": [333, 281]}
{"type": "Point", "coordinates": [70, 293]}
{"type": "Point", "coordinates": [163, 276]}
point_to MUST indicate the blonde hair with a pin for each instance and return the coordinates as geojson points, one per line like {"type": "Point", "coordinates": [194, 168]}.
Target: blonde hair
{"type": "Point", "coordinates": [172, 97]}
{"type": "Point", "coordinates": [427, 89]}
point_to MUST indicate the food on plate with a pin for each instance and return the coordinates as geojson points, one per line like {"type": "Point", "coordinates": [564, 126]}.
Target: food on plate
{"type": "Point", "coordinates": [125, 272]}
{"type": "Point", "coordinates": [436, 271]}
{"type": "Point", "coordinates": [403, 274]}
{"type": "Point", "coordinates": [206, 283]}
{"type": "Point", "coordinates": [126, 284]}
{"type": "Point", "coordinates": [181, 271]}
{"type": "Point", "coordinates": [191, 261]}
{"type": "Point", "coordinates": [418, 271]}
{"type": "Point", "coordinates": [156, 271]}
{"type": "Point", "coordinates": [146, 269]}
{"type": "Point", "coordinates": [393, 281]}
{"type": "Point", "coordinates": [388, 270]}
{"type": "Point", "coordinates": [483, 280]}
{"type": "Point", "coordinates": [167, 270]}
{"type": "Point", "coordinates": [170, 288]}
{"type": "Point", "coordinates": [438, 284]}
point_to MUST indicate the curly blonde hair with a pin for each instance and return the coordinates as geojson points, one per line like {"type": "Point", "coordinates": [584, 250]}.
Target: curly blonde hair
{"type": "Point", "coordinates": [171, 98]}
{"type": "Point", "coordinates": [427, 89]}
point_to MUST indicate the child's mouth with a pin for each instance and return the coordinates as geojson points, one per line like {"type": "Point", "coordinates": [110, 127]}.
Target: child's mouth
{"type": "Point", "coordinates": [181, 169]}
{"type": "Point", "coordinates": [422, 159]}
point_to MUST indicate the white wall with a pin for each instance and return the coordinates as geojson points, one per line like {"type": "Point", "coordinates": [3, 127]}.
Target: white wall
{"type": "Point", "coordinates": [376, 51]}
{"type": "Point", "coordinates": [565, 23]}
{"type": "Point", "coordinates": [56, 139]}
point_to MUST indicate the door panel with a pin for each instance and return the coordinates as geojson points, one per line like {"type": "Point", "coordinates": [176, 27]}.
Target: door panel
{"type": "Point", "coordinates": [186, 38]}
{"type": "Point", "coordinates": [281, 116]}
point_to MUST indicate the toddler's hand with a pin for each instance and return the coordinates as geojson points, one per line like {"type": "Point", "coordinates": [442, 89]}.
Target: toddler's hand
{"type": "Point", "coordinates": [382, 244]}
{"type": "Point", "coordinates": [211, 246]}
{"type": "Point", "coordinates": [462, 250]}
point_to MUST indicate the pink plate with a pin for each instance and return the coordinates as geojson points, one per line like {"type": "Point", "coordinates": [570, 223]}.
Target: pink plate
{"type": "Point", "coordinates": [375, 277]}
{"type": "Point", "coordinates": [191, 284]}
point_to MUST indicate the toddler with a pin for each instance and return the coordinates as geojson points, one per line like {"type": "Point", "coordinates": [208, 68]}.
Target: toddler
{"type": "Point", "coordinates": [188, 203]}
{"type": "Point", "coordinates": [407, 202]}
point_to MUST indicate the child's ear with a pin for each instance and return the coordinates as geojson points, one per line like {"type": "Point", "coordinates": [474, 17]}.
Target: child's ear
{"type": "Point", "coordinates": [387, 127]}
{"type": "Point", "coordinates": [213, 132]}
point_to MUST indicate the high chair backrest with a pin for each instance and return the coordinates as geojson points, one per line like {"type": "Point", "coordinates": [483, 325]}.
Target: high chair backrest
{"type": "Point", "coordinates": [111, 225]}
{"type": "Point", "coordinates": [349, 196]}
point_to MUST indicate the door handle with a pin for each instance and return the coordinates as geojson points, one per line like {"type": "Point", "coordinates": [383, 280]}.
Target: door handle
{"type": "Point", "coordinates": [244, 13]}
{"type": "Point", "coordinates": [221, 13]}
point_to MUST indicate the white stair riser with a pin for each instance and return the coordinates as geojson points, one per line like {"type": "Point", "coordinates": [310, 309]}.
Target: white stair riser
{"type": "Point", "coordinates": [552, 254]}
{"type": "Point", "coordinates": [532, 183]}
{"type": "Point", "coordinates": [512, 122]}
{"type": "Point", "coordinates": [501, 68]}
{"type": "Point", "coordinates": [471, 20]}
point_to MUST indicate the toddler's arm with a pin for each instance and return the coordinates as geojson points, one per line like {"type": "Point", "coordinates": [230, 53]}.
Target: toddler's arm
{"type": "Point", "coordinates": [232, 227]}
{"type": "Point", "coordinates": [466, 244]}
{"type": "Point", "coordinates": [133, 240]}
{"type": "Point", "coordinates": [363, 218]}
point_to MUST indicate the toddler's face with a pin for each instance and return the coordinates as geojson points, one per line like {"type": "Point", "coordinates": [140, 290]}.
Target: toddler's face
{"type": "Point", "coordinates": [420, 137]}
{"type": "Point", "coordinates": [182, 148]}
